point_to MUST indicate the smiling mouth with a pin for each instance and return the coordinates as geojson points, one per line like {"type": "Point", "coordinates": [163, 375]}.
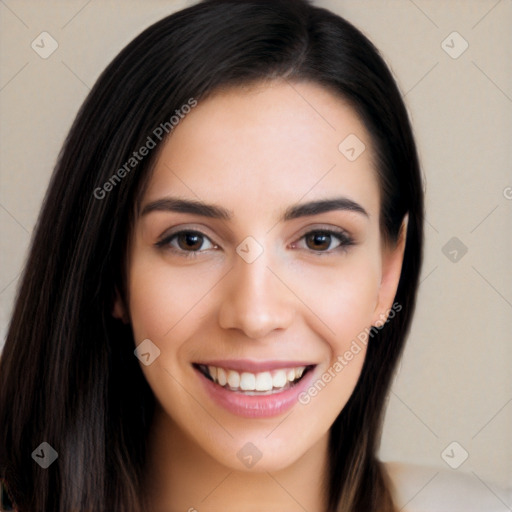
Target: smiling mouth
{"type": "Point", "coordinates": [254, 384]}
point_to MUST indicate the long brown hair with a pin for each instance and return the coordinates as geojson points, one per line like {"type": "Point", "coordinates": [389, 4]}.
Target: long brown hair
{"type": "Point", "coordinates": [68, 375]}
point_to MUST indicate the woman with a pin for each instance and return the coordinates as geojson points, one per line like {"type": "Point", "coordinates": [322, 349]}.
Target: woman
{"type": "Point", "coordinates": [222, 277]}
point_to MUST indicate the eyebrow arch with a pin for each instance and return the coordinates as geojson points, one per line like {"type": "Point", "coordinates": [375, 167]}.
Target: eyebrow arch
{"type": "Point", "coordinates": [187, 206]}
{"type": "Point", "coordinates": [217, 212]}
{"type": "Point", "coordinates": [323, 206]}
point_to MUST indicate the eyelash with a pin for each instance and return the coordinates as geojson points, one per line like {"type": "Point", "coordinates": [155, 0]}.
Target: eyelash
{"type": "Point", "coordinates": [345, 241]}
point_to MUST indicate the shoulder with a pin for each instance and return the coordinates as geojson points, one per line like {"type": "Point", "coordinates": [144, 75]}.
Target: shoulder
{"type": "Point", "coordinates": [431, 489]}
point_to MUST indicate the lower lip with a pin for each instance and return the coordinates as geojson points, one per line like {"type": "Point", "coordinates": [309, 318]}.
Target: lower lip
{"type": "Point", "coordinates": [248, 406]}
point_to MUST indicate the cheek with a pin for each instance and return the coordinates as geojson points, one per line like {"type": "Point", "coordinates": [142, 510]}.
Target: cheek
{"type": "Point", "coordinates": [342, 297]}
{"type": "Point", "coordinates": [151, 301]}
{"type": "Point", "coordinates": [342, 303]}
{"type": "Point", "coordinates": [166, 304]}
{"type": "Point", "coordinates": [163, 299]}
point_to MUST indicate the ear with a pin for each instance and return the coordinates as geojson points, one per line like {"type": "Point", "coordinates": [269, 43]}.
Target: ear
{"type": "Point", "coordinates": [119, 309]}
{"type": "Point", "coordinates": [392, 260]}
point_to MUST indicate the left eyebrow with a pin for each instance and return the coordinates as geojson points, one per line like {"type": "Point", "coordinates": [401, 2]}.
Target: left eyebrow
{"type": "Point", "coordinates": [323, 206]}
{"type": "Point", "coordinates": [217, 212]}
{"type": "Point", "coordinates": [172, 204]}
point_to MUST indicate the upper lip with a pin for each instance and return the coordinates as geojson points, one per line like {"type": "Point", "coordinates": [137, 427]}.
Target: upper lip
{"type": "Point", "coordinates": [248, 365]}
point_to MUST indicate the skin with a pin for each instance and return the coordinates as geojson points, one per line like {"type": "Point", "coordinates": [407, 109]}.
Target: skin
{"type": "Point", "coordinates": [255, 151]}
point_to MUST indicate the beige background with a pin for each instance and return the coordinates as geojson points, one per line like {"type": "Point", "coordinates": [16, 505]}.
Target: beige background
{"type": "Point", "coordinates": [455, 380]}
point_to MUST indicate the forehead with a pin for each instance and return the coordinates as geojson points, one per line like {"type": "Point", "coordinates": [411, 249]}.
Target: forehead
{"type": "Point", "coordinates": [266, 145]}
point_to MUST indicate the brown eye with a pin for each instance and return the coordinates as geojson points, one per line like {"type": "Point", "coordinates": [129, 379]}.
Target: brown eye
{"type": "Point", "coordinates": [318, 240]}
{"type": "Point", "coordinates": [190, 241]}
{"type": "Point", "coordinates": [186, 243]}
{"type": "Point", "coordinates": [325, 241]}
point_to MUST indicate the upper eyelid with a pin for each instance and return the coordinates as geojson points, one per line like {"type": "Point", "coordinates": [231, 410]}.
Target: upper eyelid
{"type": "Point", "coordinates": [326, 228]}
{"type": "Point", "coordinates": [345, 238]}
{"type": "Point", "coordinates": [166, 238]}
{"type": "Point", "coordinates": [176, 230]}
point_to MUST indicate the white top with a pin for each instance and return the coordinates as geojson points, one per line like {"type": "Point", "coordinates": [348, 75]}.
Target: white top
{"type": "Point", "coordinates": [429, 489]}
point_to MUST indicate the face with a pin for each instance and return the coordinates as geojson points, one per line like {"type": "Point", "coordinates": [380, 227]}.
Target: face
{"type": "Point", "coordinates": [255, 263]}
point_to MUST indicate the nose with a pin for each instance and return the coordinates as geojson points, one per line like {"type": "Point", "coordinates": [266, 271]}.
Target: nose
{"type": "Point", "coordinates": [256, 300]}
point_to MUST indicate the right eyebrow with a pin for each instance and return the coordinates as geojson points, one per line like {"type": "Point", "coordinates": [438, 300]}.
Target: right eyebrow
{"type": "Point", "coordinates": [187, 206]}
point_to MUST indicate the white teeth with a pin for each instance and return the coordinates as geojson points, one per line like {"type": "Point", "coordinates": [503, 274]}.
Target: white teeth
{"type": "Point", "coordinates": [259, 382]}
{"type": "Point", "coordinates": [233, 379]}
{"type": "Point", "coordinates": [279, 379]}
{"type": "Point", "coordinates": [299, 371]}
{"type": "Point", "coordinates": [264, 381]}
{"type": "Point", "coordinates": [221, 377]}
{"type": "Point", "coordinates": [247, 381]}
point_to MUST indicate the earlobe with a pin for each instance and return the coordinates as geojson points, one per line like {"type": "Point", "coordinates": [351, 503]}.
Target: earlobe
{"type": "Point", "coordinates": [391, 270]}
{"type": "Point", "coordinates": [119, 309]}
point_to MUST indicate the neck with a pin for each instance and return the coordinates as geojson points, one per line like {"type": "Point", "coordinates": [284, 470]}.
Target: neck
{"type": "Point", "coordinates": [181, 477]}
